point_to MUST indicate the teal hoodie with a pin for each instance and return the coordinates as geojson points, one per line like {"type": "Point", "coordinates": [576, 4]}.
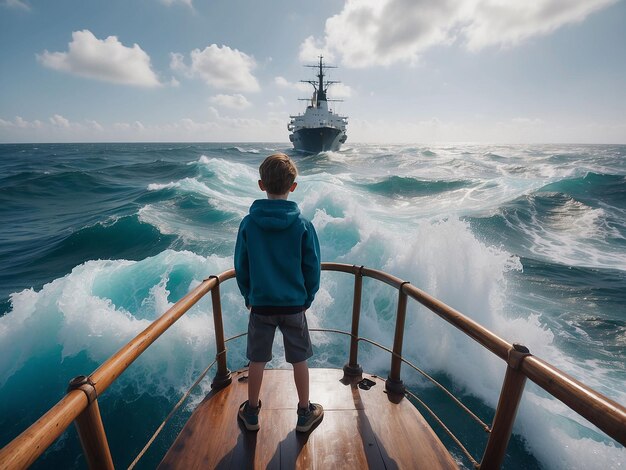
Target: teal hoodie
{"type": "Point", "coordinates": [277, 256]}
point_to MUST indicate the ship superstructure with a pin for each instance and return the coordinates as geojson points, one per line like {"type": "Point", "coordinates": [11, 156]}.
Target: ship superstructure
{"type": "Point", "coordinates": [319, 129]}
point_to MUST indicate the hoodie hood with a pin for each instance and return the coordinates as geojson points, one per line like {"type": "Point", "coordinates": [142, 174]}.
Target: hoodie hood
{"type": "Point", "coordinates": [274, 214]}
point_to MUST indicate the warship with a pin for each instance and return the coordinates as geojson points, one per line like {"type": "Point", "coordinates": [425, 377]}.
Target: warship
{"type": "Point", "coordinates": [319, 129]}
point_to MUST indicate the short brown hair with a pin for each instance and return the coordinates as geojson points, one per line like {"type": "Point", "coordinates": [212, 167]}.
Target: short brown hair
{"type": "Point", "coordinates": [278, 172]}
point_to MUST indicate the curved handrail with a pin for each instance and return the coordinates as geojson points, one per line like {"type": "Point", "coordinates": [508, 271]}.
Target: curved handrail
{"type": "Point", "coordinates": [482, 335]}
{"type": "Point", "coordinates": [606, 414]}
{"type": "Point", "coordinates": [601, 411]}
{"type": "Point", "coordinates": [22, 451]}
{"type": "Point", "coordinates": [104, 375]}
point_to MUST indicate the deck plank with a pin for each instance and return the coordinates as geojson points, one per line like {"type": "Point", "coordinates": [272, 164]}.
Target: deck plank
{"type": "Point", "coordinates": [360, 429]}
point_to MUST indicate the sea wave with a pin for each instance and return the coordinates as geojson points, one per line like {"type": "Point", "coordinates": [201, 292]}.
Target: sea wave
{"type": "Point", "coordinates": [594, 188]}
{"type": "Point", "coordinates": [575, 222]}
{"type": "Point", "coordinates": [33, 184]}
{"type": "Point", "coordinates": [77, 321]}
{"type": "Point", "coordinates": [526, 240]}
{"type": "Point", "coordinates": [238, 149]}
{"type": "Point", "coordinates": [407, 187]}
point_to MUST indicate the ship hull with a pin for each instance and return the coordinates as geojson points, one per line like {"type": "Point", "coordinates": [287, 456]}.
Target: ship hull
{"type": "Point", "coordinates": [317, 139]}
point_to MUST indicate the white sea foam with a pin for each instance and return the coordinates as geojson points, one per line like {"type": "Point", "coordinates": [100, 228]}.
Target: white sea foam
{"type": "Point", "coordinates": [159, 187]}
{"type": "Point", "coordinates": [573, 234]}
{"type": "Point", "coordinates": [444, 258]}
{"type": "Point", "coordinates": [243, 150]}
{"type": "Point", "coordinates": [229, 171]}
{"type": "Point", "coordinates": [79, 312]}
{"type": "Point", "coordinates": [228, 187]}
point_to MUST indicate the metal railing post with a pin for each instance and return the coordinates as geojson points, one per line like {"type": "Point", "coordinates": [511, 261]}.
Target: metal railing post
{"type": "Point", "coordinates": [90, 427]}
{"type": "Point", "coordinates": [393, 383]}
{"type": "Point", "coordinates": [352, 368]}
{"type": "Point", "coordinates": [510, 396]}
{"type": "Point", "coordinates": [222, 376]}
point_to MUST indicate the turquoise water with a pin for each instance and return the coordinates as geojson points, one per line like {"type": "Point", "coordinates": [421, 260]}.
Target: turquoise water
{"type": "Point", "coordinates": [97, 240]}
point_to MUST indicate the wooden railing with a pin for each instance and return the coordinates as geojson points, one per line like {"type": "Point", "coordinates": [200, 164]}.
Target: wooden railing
{"type": "Point", "coordinates": [80, 405]}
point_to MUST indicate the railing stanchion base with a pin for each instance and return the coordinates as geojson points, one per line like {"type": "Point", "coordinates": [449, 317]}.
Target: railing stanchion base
{"type": "Point", "coordinates": [222, 380]}
{"type": "Point", "coordinates": [353, 370]}
{"type": "Point", "coordinates": [394, 386]}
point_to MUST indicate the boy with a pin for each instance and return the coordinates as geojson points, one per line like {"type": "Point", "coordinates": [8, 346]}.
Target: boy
{"type": "Point", "coordinates": [277, 261]}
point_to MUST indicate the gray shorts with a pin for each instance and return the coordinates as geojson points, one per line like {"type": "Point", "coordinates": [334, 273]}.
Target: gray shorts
{"type": "Point", "coordinates": [261, 329]}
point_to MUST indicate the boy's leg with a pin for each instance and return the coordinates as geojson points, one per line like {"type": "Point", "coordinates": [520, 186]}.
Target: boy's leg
{"type": "Point", "coordinates": [261, 329]}
{"type": "Point", "coordinates": [301, 378]}
{"type": "Point", "coordinates": [309, 414]}
{"type": "Point", "coordinates": [260, 338]}
{"type": "Point", "coordinates": [255, 378]}
{"type": "Point", "coordinates": [297, 350]}
{"type": "Point", "coordinates": [249, 410]}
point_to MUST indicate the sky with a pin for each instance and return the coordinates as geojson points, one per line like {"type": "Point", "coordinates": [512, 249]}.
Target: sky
{"type": "Point", "coordinates": [411, 71]}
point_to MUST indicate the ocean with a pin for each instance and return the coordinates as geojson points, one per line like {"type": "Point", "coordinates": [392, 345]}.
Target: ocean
{"type": "Point", "coordinates": [98, 240]}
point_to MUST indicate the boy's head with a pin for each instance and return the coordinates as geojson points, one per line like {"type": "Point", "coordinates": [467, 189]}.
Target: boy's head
{"type": "Point", "coordinates": [278, 173]}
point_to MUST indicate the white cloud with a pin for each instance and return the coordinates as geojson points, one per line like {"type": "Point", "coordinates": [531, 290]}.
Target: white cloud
{"type": "Point", "coordinates": [221, 128]}
{"type": "Point", "coordinates": [135, 128]}
{"type": "Point", "coordinates": [18, 4]}
{"type": "Point", "coordinates": [59, 121]}
{"type": "Point", "coordinates": [284, 83]}
{"type": "Point", "coordinates": [236, 101]}
{"type": "Point", "coordinates": [216, 128]}
{"type": "Point", "coordinates": [121, 126]}
{"type": "Point", "coordinates": [279, 102]}
{"type": "Point", "coordinates": [271, 128]}
{"type": "Point", "coordinates": [57, 127]}
{"type": "Point", "coordinates": [383, 32]}
{"type": "Point", "coordinates": [312, 48]}
{"type": "Point", "coordinates": [177, 63]}
{"type": "Point", "coordinates": [107, 60]}
{"type": "Point", "coordinates": [94, 125]}
{"type": "Point", "coordinates": [189, 3]}
{"type": "Point", "coordinates": [482, 129]}
{"type": "Point", "coordinates": [19, 123]}
{"type": "Point", "coordinates": [339, 90]}
{"type": "Point", "coordinates": [512, 23]}
{"type": "Point", "coordinates": [221, 67]}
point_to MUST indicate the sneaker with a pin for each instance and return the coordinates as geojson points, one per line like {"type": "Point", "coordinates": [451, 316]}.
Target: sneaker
{"type": "Point", "coordinates": [308, 417]}
{"type": "Point", "coordinates": [249, 416]}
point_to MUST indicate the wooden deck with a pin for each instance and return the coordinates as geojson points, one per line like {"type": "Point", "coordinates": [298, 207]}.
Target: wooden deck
{"type": "Point", "coordinates": [360, 429]}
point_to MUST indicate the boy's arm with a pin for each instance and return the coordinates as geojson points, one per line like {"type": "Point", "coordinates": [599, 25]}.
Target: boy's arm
{"type": "Point", "coordinates": [311, 268]}
{"type": "Point", "coordinates": [242, 266]}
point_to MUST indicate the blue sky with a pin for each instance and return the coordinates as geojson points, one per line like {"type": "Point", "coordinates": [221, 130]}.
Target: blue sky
{"type": "Point", "coordinates": [411, 70]}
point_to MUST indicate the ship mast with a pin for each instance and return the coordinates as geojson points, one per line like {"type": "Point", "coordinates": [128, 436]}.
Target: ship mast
{"type": "Point", "coordinates": [320, 86]}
